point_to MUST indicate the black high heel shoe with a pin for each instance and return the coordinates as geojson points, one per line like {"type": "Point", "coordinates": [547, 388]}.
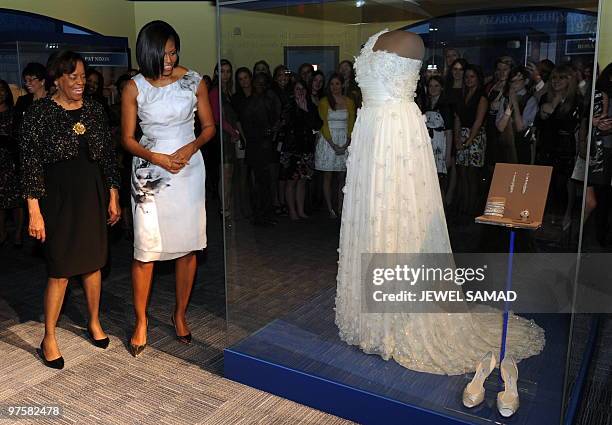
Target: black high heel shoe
{"type": "Point", "coordinates": [185, 339]}
{"type": "Point", "coordinates": [100, 343]}
{"type": "Point", "coordinates": [53, 364]}
{"type": "Point", "coordinates": [135, 350]}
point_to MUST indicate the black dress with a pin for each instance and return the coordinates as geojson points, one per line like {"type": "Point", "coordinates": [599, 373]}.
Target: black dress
{"type": "Point", "coordinates": [297, 156]}
{"type": "Point", "coordinates": [258, 117]}
{"type": "Point", "coordinates": [74, 210]}
{"type": "Point", "coordinates": [492, 151]}
{"type": "Point", "coordinates": [10, 194]}
{"type": "Point", "coordinates": [556, 136]}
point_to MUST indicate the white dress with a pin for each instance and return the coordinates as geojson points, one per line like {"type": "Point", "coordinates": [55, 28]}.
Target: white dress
{"type": "Point", "coordinates": [169, 209]}
{"type": "Point", "coordinates": [392, 204]}
{"type": "Point", "coordinates": [326, 158]}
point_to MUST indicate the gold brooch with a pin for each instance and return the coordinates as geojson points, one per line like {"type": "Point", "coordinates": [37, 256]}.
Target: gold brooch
{"type": "Point", "coordinates": [79, 128]}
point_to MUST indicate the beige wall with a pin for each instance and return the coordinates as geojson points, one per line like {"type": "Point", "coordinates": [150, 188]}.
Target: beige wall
{"type": "Point", "coordinates": [605, 34]}
{"type": "Point", "coordinates": [107, 17]}
{"type": "Point", "coordinates": [250, 36]}
{"type": "Point", "coordinates": [263, 35]}
{"type": "Point", "coordinates": [195, 23]}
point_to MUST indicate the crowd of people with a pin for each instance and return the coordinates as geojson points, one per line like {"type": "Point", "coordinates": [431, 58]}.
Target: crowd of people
{"type": "Point", "coordinates": [283, 158]}
{"type": "Point", "coordinates": [283, 136]}
{"type": "Point", "coordinates": [275, 142]}
{"type": "Point", "coordinates": [535, 114]}
{"type": "Point", "coordinates": [281, 131]}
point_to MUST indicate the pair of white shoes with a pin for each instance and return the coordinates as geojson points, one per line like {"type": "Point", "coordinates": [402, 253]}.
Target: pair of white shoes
{"type": "Point", "coordinates": [507, 400]}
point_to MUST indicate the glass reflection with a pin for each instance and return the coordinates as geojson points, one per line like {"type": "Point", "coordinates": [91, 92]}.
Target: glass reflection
{"type": "Point", "coordinates": [497, 86]}
{"type": "Point", "coordinates": [509, 93]}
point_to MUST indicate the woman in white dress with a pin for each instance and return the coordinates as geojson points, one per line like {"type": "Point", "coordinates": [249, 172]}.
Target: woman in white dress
{"type": "Point", "coordinates": [393, 205]}
{"type": "Point", "coordinates": [338, 114]}
{"type": "Point", "coordinates": [168, 175]}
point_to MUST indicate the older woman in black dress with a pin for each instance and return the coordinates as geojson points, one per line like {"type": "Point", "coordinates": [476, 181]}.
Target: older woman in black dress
{"type": "Point", "coordinates": [70, 181]}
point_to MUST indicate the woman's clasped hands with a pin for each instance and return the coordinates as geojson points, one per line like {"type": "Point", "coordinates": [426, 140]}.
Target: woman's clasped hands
{"type": "Point", "coordinates": [175, 162]}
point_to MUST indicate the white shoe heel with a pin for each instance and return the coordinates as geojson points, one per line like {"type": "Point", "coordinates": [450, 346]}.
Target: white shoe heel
{"type": "Point", "coordinates": [474, 392]}
{"type": "Point", "coordinates": [508, 400]}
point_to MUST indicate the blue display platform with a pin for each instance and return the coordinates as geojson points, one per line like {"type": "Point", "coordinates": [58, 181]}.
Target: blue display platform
{"type": "Point", "coordinates": [301, 358]}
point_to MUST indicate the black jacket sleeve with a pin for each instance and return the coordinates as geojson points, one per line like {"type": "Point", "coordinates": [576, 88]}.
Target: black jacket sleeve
{"type": "Point", "coordinates": [31, 149]}
{"type": "Point", "coordinates": [108, 157]}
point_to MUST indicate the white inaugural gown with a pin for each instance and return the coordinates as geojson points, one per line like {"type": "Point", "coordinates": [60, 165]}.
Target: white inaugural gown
{"type": "Point", "coordinates": [169, 209]}
{"type": "Point", "coordinates": [392, 204]}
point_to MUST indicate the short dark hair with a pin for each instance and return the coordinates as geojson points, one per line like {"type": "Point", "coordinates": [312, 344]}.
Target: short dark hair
{"type": "Point", "coordinates": [62, 62]}
{"type": "Point", "coordinates": [306, 65]}
{"type": "Point", "coordinates": [545, 68]}
{"type": "Point", "coordinates": [35, 69]}
{"type": "Point", "coordinates": [517, 70]}
{"type": "Point", "coordinates": [151, 45]}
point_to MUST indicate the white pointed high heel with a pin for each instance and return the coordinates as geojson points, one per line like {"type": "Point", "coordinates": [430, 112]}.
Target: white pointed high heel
{"type": "Point", "coordinates": [474, 392]}
{"type": "Point", "coordinates": [508, 400]}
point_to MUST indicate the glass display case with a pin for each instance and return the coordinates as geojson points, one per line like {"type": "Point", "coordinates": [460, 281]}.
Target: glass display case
{"type": "Point", "coordinates": [33, 38]}
{"type": "Point", "coordinates": [533, 68]}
